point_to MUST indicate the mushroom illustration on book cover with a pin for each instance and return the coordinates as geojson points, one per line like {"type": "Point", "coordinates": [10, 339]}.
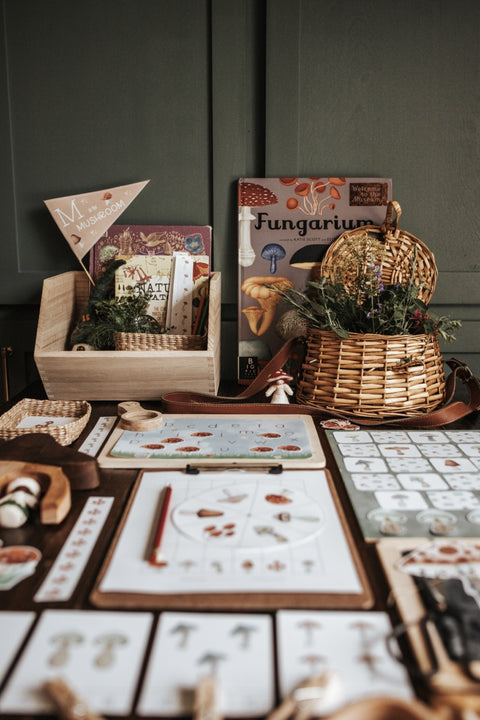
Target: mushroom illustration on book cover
{"type": "Point", "coordinates": [285, 226]}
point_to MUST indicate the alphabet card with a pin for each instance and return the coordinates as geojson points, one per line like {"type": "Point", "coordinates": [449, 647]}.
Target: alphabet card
{"type": "Point", "coordinates": [416, 483]}
{"type": "Point", "coordinates": [217, 440]}
{"type": "Point", "coordinates": [232, 539]}
{"type": "Point", "coordinates": [235, 650]}
{"type": "Point", "coordinates": [346, 649]}
{"type": "Point", "coordinates": [99, 654]}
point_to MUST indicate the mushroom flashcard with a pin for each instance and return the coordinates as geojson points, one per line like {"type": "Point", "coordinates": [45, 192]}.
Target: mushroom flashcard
{"type": "Point", "coordinates": [98, 653]}
{"type": "Point", "coordinates": [235, 650]}
{"type": "Point", "coordinates": [446, 560]}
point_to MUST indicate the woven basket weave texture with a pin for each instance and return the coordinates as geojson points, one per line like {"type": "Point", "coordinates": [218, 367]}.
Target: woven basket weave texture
{"type": "Point", "coordinates": [370, 375]}
{"type": "Point", "coordinates": [161, 341]}
{"type": "Point", "coordinates": [64, 434]}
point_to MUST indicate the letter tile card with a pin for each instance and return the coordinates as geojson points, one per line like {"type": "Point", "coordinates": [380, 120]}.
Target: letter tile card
{"type": "Point", "coordinates": [236, 649]}
{"type": "Point", "coordinates": [348, 649]}
{"type": "Point", "coordinates": [13, 630]}
{"type": "Point", "coordinates": [416, 483]}
{"type": "Point", "coordinates": [99, 654]}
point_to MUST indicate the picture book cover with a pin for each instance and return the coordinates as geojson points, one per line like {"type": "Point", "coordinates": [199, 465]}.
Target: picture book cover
{"type": "Point", "coordinates": [125, 241]}
{"type": "Point", "coordinates": [154, 274]}
{"type": "Point", "coordinates": [285, 226]}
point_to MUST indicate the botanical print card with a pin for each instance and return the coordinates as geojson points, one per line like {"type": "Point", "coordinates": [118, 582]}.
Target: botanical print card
{"type": "Point", "coordinates": [13, 630]}
{"type": "Point", "coordinates": [236, 649]}
{"type": "Point", "coordinates": [415, 483]}
{"type": "Point", "coordinates": [233, 539]}
{"type": "Point", "coordinates": [99, 654]}
{"type": "Point", "coordinates": [348, 647]}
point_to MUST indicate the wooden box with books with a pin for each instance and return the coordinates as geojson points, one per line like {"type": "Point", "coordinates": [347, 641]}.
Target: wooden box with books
{"type": "Point", "coordinates": [111, 374]}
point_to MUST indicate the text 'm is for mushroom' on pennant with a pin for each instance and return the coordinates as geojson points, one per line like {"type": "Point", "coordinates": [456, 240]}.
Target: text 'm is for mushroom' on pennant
{"type": "Point", "coordinates": [83, 218]}
{"type": "Point", "coordinates": [285, 226]}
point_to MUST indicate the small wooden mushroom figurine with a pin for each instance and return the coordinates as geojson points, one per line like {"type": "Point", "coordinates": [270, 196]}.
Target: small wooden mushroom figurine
{"type": "Point", "coordinates": [25, 485]}
{"type": "Point", "coordinates": [278, 388]}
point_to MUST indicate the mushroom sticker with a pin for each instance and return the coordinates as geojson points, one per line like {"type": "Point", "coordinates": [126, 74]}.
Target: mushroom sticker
{"type": "Point", "coordinates": [264, 290]}
{"type": "Point", "coordinates": [250, 195]}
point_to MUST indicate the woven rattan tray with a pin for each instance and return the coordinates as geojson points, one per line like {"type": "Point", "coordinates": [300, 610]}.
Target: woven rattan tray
{"type": "Point", "coordinates": [68, 419]}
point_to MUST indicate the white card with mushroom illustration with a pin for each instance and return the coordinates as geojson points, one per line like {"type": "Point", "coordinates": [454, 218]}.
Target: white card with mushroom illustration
{"type": "Point", "coordinates": [13, 629]}
{"type": "Point", "coordinates": [233, 532]}
{"type": "Point", "coordinates": [212, 439]}
{"type": "Point", "coordinates": [346, 649]}
{"type": "Point", "coordinates": [236, 649]}
{"type": "Point", "coordinates": [99, 654]}
{"type": "Point", "coordinates": [420, 483]}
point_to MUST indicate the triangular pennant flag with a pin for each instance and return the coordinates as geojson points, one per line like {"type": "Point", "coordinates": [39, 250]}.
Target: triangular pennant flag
{"type": "Point", "coordinates": [84, 218]}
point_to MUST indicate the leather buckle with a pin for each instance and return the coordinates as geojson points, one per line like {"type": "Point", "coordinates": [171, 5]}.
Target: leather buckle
{"type": "Point", "coordinates": [462, 371]}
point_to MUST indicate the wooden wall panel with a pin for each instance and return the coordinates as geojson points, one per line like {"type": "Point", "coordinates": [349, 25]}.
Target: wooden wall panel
{"type": "Point", "coordinates": [197, 93]}
{"type": "Point", "coordinates": [388, 89]}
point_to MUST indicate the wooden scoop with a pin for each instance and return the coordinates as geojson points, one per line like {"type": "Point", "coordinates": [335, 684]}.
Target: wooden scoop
{"type": "Point", "coordinates": [134, 417]}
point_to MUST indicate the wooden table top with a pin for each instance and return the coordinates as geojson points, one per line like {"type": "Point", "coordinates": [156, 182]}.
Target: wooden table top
{"type": "Point", "coordinates": [118, 483]}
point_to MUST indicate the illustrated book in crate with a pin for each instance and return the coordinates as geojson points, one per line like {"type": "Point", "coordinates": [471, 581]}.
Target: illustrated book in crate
{"type": "Point", "coordinates": [285, 226]}
{"type": "Point", "coordinates": [125, 241]}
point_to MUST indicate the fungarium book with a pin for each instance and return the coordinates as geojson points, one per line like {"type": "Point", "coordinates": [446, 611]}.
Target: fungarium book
{"type": "Point", "coordinates": [285, 226]}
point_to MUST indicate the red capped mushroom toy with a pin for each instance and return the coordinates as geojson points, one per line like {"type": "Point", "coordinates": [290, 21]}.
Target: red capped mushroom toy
{"type": "Point", "coordinates": [278, 387]}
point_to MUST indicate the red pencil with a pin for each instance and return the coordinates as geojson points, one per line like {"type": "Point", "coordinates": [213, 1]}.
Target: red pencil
{"type": "Point", "coordinates": [155, 557]}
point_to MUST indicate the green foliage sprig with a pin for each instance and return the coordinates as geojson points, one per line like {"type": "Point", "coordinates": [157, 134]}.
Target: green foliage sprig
{"type": "Point", "coordinates": [124, 314]}
{"type": "Point", "coordinates": [105, 315]}
{"type": "Point", "coordinates": [364, 304]}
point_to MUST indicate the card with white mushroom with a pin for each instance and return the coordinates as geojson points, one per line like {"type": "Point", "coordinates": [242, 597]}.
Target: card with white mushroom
{"type": "Point", "coordinates": [99, 654]}
{"type": "Point", "coordinates": [233, 539]}
{"type": "Point", "coordinates": [235, 650]}
{"type": "Point", "coordinates": [346, 651]}
{"type": "Point", "coordinates": [415, 483]}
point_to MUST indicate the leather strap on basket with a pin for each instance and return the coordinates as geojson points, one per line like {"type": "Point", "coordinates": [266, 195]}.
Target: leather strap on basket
{"type": "Point", "coordinates": [185, 402]}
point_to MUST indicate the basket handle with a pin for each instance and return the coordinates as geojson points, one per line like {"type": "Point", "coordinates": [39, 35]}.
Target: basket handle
{"type": "Point", "coordinates": [390, 224]}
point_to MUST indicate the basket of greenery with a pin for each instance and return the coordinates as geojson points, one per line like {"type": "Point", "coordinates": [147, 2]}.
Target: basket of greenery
{"type": "Point", "coordinates": [123, 323]}
{"type": "Point", "coordinates": [372, 343]}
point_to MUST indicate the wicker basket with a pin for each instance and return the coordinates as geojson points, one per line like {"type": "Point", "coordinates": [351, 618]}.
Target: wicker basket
{"type": "Point", "coordinates": [369, 375]}
{"type": "Point", "coordinates": [372, 375]}
{"type": "Point", "coordinates": [396, 261]}
{"type": "Point", "coordinates": [161, 341]}
{"type": "Point", "coordinates": [64, 433]}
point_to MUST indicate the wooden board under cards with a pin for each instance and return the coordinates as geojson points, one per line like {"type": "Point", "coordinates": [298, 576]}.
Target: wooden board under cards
{"type": "Point", "coordinates": [239, 539]}
{"type": "Point", "coordinates": [449, 684]}
{"type": "Point", "coordinates": [209, 440]}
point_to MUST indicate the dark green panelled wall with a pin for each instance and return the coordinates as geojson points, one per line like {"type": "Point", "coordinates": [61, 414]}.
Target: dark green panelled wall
{"type": "Point", "coordinates": [193, 94]}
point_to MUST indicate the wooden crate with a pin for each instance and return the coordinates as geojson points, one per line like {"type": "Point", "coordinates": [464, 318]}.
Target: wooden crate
{"type": "Point", "coordinates": [109, 374]}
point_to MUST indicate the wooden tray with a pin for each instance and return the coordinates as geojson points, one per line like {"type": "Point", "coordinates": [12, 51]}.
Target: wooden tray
{"type": "Point", "coordinates": [274, 442]}
{"type": "Point", "coordinates": [450, 684]}
{"type": "Point", "coordinates": [127, 580]}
